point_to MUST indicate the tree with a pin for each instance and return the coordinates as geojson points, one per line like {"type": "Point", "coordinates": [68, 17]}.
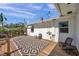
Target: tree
{"type": "Point", "coordinates": [2, 18]}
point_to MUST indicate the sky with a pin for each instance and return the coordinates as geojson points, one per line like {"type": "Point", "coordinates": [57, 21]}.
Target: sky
{"type": "Point", "coordinates": [31, 12]}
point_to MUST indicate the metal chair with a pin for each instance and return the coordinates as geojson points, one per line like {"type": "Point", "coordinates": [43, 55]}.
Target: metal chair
{"type": "Point", "coordinates": [67, 45]}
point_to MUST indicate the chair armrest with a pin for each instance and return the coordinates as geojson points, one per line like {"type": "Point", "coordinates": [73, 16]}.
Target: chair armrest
{"type": "Point", "coordinates": [61, 44]}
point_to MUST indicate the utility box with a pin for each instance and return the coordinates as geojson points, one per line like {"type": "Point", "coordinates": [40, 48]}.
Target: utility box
{"type": "Point", "coordinates": [40, 36]}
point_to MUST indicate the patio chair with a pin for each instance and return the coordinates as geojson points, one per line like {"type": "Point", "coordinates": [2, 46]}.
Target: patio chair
{"type": "Point", "coordinates": [67, 44]}
{"type": "Point", "coordinates": [68, 47]}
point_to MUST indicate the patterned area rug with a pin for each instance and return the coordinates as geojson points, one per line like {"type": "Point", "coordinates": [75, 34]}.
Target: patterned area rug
{"type": "Point", "coordinates": [31, 46]}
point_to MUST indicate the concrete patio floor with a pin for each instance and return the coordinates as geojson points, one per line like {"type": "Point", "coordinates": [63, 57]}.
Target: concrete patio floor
{"type": "Point", "coordinates": [58, 51]}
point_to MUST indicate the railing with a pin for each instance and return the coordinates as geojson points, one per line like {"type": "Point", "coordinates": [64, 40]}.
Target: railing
{"type": "Point", "coordinates": [5, 45]}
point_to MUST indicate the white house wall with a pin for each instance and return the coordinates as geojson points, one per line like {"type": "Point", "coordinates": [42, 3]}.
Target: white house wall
{"type": "Point", "coordinates": [43, 31]}
{"type": "Point", "coordinates": [77, 28]}
{"type": "Point", "coordinates": [63, 36]}
{"type": "Point", "coordinates": [55, 30]}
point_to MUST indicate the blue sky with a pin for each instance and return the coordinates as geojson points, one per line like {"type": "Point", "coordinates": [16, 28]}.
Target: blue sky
{"type": "Point", "coordinates": [31, 12]}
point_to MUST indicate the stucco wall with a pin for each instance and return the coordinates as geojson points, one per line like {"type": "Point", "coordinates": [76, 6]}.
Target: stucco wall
{"type": "Point", "coordinates": [63, 36]}
{"type": "Point", "coordinates": [43, 31]}
{"type": "Point", "coordinates": [55, 30]}
{"type": "Point", "coordinates": [77, 29]}
{"type": "Point", "coordinates": [42, 28]}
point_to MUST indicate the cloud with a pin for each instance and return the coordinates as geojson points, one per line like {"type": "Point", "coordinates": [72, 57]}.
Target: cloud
{"type": "Point", "coordinates": [51, 6]}
{"type": "Point", "coordinates": [26, 10]}
{"type": "Point", "coordinates": [34, 6]}
{"type": "Point", "coordinates": [37, 7]}
{"type": "Point", "coordinates": [19, 15]}
{"type": "Point", "coordinates": [16, 12]}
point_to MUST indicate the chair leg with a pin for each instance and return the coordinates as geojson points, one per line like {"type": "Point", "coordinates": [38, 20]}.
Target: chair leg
{"type": "Point", "coordinates": [68, 51]}
{"type": "Point", "coordinates": [75, 52]}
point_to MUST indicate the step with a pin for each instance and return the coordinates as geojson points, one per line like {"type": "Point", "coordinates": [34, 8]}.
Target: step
{"type": "Point", "coordinates": [48, 49]}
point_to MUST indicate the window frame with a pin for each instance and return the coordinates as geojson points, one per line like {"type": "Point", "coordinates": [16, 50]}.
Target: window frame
{"type": "Point", "coordinates": [65, 28]}
{"type": "Point", "coordinates": [32, 28]}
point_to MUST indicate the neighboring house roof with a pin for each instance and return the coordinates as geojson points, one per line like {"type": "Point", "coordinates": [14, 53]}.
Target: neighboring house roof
{"type": "Point", "coordinates": [49, 23]}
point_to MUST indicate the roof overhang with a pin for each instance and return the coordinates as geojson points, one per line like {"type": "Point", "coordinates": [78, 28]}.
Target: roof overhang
{"type": "Point", "coordinates": [58, 8]}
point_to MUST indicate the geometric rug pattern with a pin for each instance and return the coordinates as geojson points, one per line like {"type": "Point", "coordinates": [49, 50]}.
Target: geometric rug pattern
{"type": "Point", "coordinates": [30, 45]}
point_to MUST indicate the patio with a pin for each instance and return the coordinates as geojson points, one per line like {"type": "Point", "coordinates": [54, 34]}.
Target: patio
{"type": "Point", "coordinates": [31, 46]}
{"type": "Point", "coordinates": [58, 51]}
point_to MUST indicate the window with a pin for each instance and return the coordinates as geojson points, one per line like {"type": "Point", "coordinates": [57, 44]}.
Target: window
{"type": "Point", "coordinates": [63, 27]}
{"type": "Point", "coordinates": [32, 28]}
